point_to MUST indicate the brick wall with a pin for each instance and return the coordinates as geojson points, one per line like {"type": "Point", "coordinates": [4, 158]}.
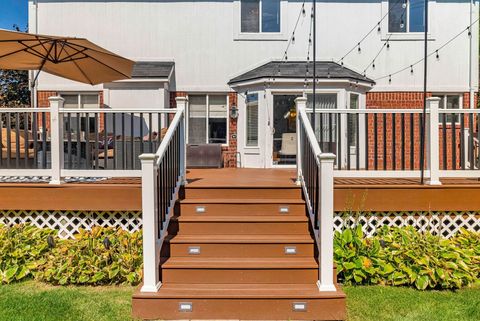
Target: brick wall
{"type": "Point", "coordinates": [230, 151]}
{"type": "Point", "coordinates": [399, 143]}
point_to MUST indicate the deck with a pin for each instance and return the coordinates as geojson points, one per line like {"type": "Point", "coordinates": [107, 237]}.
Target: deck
{"type": "Point", "coordinates": [120, 194]}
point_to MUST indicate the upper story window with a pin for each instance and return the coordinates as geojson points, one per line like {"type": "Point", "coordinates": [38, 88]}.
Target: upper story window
{"type": "Point", "coordinates": [260, 16]}
{"type": "Point", "coordinates": [406, 16]}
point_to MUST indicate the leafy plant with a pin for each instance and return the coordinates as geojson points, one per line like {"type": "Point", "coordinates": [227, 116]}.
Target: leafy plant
{"type": "Point", "coordinates": [404, 256]}
{"type": "Point", "coordinates": [99, 256]}
{"type": "Point", "coordinates": [22, 250]}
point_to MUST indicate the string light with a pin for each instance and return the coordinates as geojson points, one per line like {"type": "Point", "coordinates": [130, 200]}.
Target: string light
{"type": "Point", "coordinates": [377, 27]}
{"type": "Point", "coordinates": [436, 53]}
{"type": "Point", "coordinates": [411, 69]}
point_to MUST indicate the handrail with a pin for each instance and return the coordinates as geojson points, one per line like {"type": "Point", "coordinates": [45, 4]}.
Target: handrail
{"type": "Point", "coordinates": [163, 174]}
{"type": "Point", "coordinates": [25, 110]}
{"type": "Point", "coordinates": [365, 111]}
{"type": "Point", "coordinates": [118, 111]}
{"type": "Point", "coordinates": [315, 175]}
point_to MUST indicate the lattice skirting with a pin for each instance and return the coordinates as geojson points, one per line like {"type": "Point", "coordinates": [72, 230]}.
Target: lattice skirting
{"type": "Point", "coordinates": [446, 224]}
{"type": "Point", "coordinates": [69, 222]}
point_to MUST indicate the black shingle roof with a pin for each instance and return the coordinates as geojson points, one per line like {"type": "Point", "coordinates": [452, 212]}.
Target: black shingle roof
{"type": "Point", "coordinates": [297, 69]}
{"type": "Point", "coordinates": [152, 69]}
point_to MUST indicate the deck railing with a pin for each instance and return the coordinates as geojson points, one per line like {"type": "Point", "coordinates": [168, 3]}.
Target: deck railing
{"type": "Point", "coordinates": [64, 142]}
{"type": "Point", "coordinates": [315, 174]}
{"type": "Point", "coordinates": [386, 142]}
{"type": "Point", "coordinates": [163, 173]}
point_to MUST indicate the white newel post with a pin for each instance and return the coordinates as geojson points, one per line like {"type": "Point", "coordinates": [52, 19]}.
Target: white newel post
{"type": "Point", "coordinates": [151, 255]}
{"type": "Point", "coordinates": [56, 139]}
{"type": "Point", "coordinates": [182, 106]}
{"type": "Point", "coordinates": [301, 104]}
{"type": "Point", "coordinates": [325, 212]}
{"type": "Point", "coordinates": [433, 150]}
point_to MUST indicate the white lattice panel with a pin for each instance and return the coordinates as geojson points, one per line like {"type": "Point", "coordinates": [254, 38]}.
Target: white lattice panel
{"type": "Point", "coordinates": [67, 223]}
{"type": "Point", "coordinates": [446, 224]}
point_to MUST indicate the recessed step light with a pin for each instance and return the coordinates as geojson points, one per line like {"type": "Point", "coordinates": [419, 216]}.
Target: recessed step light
{"type": "Point", "coordinates": [194, 250]}
{"type": "Point", "coordinates": [299, 306]}
{"type": "Point", "coordinates": [290, 250]}
{"type": "Point", "coordinates": [284, 209]}
{"type": "Point", "coordinates": [200, 209]}
{"type": "Point", "coordinates": [185, 306]}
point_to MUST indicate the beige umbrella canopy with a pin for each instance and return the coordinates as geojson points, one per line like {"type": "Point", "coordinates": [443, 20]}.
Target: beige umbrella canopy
{"type": "Point", "coordinates": [72, 58]}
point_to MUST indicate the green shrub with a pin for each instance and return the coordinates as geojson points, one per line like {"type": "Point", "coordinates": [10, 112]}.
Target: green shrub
{"type": "Point", "coordinates": [96, 257]}
{"type": "Point", "coordinates": [403, 256]}
{"type": "Point", "coordinates": [22, 250]}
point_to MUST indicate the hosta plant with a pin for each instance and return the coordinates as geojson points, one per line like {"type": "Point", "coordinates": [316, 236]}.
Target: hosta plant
{"type": "Point", "coordinates": [99, 256]}
{"type": "Point", "coordinates": [22, 250]}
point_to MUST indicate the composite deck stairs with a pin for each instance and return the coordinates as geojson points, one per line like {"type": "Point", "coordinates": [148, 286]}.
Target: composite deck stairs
{"type": "Point", "coordinates": [240, 252]}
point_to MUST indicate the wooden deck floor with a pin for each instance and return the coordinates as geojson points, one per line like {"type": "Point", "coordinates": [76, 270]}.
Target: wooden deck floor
{"type": "Point", "coordinates": [120, 194]}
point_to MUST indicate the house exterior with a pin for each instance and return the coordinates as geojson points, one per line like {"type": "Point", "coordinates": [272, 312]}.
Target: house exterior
{"type": "Point", "coordinates": [241, 63]}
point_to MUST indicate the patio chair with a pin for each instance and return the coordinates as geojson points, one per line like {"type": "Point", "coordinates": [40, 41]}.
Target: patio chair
{"type": "Point", "coordinates": [24, 152]}
{"type": "Point", "coordinates": [289, 144]}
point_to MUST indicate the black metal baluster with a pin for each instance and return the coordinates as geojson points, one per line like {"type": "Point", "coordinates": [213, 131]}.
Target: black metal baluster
{"type": "Point", "coordinates": [150, 133]}
{"type": "Point", "coordinates": [470, 141]}
{"type": "Point", "coordinates": [462, 141]}
{"type": "Point", "coordinates": [114, 142]}
{"type": "Point", "coordinates": [27, 143]}
{"type": "Point", "coordinates": [124, 144]}
{"type": "Point", "coordinates": [97, 140]}
{"type": "Point", "coordinates": [44, 140]}
{"type": "Point", "coordinates": [444, 141]}
{"type": "Point", "coordinates": [105, 141]}
{"type": "Point", "coordinates": [384, 141]}
{"type": "Point", "coordinates": [132, 147]}
{"type": "Point", "coordinates": [375, 140]}
{"type": "Point", "coordinates": [339, 130]}
{"type": "Point", "coordinates": [394, 140]}
{"type": "Point", "coordinates": [366, 141]}
{"type": "Point", "coordinates": [17, 140]}
{"type": "Point", "coordinates": [35, 138]}
{"type": "Point", "coordinates": [348, 140]}
{"type": "Point", "coordinates": [69, 140]}
{"type": "Point", "coordinates": [454, 143]}
{"type": "Point", "coordinates": [141, 120]}
{"type": "Point", "coordinates": [403, 140]}
{"type": "Point", "coordinates": [79, 142]}
{"type": "Point", "coordinates": [9, 140]}
{"type": "Point", "coordinates": [88, 161]}
{"type": "Point", "coordinates": [412, 142]}
{"type": "Point", "coordinates": [357, 141]}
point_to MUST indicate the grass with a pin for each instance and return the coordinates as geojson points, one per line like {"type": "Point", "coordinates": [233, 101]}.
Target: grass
{"type": "Point", "coordinates": [37, 301]}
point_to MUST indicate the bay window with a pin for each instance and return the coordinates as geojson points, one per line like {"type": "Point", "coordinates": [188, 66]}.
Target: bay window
{"type": "Point", "coordinates": [207, 119]}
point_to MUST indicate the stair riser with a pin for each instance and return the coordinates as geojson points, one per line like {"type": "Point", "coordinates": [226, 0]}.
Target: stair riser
{"type": "Point", "coordinates": [222, 276]}
{"type": "Point", "coordinates": [222, 228]}
{"type": "Point", "coordinates": [242, 209]}
{"type": "Point", "coordinates": [240, 309]}
{"type": "Point", "coordinates": [243, 193]}
{"type": "Point", "coordinates": [246, 250]}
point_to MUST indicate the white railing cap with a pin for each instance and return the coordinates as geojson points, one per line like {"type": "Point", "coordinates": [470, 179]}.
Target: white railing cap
{"type": "Point", "coordinates": [327, 157]}
{"type": "Point", "coordinates": [148, 157]}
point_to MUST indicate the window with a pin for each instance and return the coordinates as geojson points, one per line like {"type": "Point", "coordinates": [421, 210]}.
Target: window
{"type": "Point", "coordinates": [252, 120]}
{"type": "Point", "coordinates": [352, 120]}
{"type": "Point", "coordinates": [207, 119]}
{"type": "Point", "coordinates": [449, 102]}
{"type": "Point", "coordinates": [406, 15]}
{"type": "Point", "coordinates": [260, 16]}
{"type": "Point", "coordinates": [80, 101]}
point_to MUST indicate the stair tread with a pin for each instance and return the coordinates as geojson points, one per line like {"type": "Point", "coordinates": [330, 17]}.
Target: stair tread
{"type": "Point", "coordinates": [241, 218]}
{"type": "Point", "coordinates": [242, 201]}
{"type": "Point", "coordinates": [243, 238]}
{"type": "Point", "coordinates": [237, 291]}
{"type": "Point", "coordinates": [239, 263]}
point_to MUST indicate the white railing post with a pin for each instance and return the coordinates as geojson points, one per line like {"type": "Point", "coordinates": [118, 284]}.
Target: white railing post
{"type": "Point", "coordinates": [151, 252]}
{"type": "Point", "coordinates": [56, 139]}
{"type": "Point", "coordinates": [182, 107]}
{"type": "Point", "coordinates": [325, 212]}
{"type": "Point", "coordinates": [433, 150]}
{"type": "Point", "coordinates": [301, 104]}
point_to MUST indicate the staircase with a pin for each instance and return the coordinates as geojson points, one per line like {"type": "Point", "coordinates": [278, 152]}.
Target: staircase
{"type": "Point", "coordinates": [240, 248]}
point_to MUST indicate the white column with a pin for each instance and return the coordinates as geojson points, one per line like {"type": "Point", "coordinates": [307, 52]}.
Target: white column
{"type": "Point", "coordinates": [56, 142]}
{"type": "Point", "coordinates": [433, 139]}
{"type": "Point", "coordinates": [182, 106]}
{"type": "Point", "coordinates": [325, 212]}
{"type": "Point", "coordinates": [151, 250]}
{"type": "Point", "coordinates": [301, 104]}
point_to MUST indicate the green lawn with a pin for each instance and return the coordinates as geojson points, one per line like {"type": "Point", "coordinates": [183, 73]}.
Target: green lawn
{"type": "Point", "coordinates": [36, 301]}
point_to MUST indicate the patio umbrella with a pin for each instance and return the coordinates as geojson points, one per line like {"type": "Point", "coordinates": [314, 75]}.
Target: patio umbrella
{"type": "Point", "coordinates": [72, 58]}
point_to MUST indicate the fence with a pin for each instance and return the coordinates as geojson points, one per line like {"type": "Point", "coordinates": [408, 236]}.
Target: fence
{"type": "Point", "coordinates": [386, 142]}
{"type": "Point", "coordinates": [60, 142]}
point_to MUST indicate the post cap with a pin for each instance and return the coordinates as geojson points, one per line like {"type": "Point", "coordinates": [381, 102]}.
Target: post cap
{"type": "Point", "coordinates": [148, 157]}
{"type": "Point", "coordinates": [434, 99]}
{"type": "Point", "coordinates": [181, 99]}
{"type": "Point", "coordinates": [56, 98]}
{"type": "Point", "coordinates": [301, 99]}
{"type": "Point", "coordinates": [327, 157]}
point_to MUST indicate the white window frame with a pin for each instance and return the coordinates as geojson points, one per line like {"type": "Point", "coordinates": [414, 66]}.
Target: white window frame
{"type": "Point", "coordinates": [238, 35]}
{"type": "Point", "coordinates": [258, 123]}
{"type": "Point", "coordinates": [444, 107]}
{"type": "Point", "coordinates": [207, 113]}
{"type": "Point", "coordinates": [407, 35]}
{"type": "Point", "coordinates": [79, 96]}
